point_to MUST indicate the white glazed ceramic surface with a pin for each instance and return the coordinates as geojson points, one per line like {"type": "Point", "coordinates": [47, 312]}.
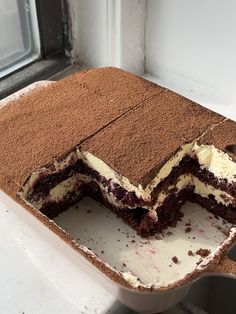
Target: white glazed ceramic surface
{"type": "Point", "coordinates": [96, 227]}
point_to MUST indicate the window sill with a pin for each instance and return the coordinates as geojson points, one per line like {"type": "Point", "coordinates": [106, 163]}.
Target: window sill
{"type": "Point", "coordinates": [40, 70]}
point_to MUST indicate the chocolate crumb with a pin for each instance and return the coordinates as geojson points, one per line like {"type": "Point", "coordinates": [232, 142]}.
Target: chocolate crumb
{"type": "Point", "coordinates": [190, 253]}
{"type": "Point", "coordinates": [127, 245]}
{"type": "Point", "coordinates": [119, 229]}
{"type": "Point", "coordinates": [118, 240]}
{"type": "Point", "coordinates": [188, 229]}
{"type": "Point", "coordinates": [203, 252]}
{"type": "Point", "coordinates": [102, 252]}
{"type": "Point", "coordinates": [124, 265]}
{"type": "Point", "coordinates": [133, 241]}
{"type": "Point", "coordinates": [194, 238]}
{"type": "Point", "coordinates": [231, 149]}
{"type": "Point", "coordinates": [188, 224]}
{"type": "Point", "coordinates": [88, 211]}
{"type": "Point", "coordinates": [175, 259]}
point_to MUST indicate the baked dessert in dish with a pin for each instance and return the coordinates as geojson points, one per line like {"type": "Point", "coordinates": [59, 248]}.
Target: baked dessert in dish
{"type": "Point", "coordinates": [138, 148]}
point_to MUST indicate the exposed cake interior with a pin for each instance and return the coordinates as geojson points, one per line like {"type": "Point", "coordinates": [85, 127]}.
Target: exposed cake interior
{"type": "Point", "coordinates": [138, 148]}
{"type": "Point", "coordinates": [197, 172]}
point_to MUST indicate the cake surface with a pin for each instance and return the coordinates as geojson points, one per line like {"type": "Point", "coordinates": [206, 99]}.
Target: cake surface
{"type": "Point", "coordinates": [138, 148]}
{"type": "Point", "coordinates": [39, 127]}
{"type": "Point", "coordinates": [150, 135]}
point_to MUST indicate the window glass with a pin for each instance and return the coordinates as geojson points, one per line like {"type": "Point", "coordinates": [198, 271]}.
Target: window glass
{"type": "Point", "coordinates": [19, 34]}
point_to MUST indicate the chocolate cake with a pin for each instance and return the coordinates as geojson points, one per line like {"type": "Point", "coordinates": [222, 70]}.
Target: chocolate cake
{"type": "Point", "coordinates": [136, 147]}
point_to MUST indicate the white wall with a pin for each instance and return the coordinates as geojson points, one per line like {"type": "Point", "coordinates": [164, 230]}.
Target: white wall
{"type": "Point", "coordinates": [89, 18]}
{"type": "Point", "coordinates": [192, 45]}
{"type": "Point", "coordinates": [188, 46]}
{"type": "Point", "coordinates": [109, 33]}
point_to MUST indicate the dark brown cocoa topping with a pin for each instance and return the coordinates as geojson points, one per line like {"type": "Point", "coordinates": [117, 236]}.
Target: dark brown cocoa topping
{"type": "Point", "coordinates": [231, 150]}
{"type": "Point", "coordinates": [139, 143]}
{"type": "Point", "coordinates": [48, 122]}
{"type": "Point", "coordinates": [223, 137]}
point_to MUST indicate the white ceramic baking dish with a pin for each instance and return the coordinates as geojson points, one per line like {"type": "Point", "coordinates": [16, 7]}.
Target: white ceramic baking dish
{"type": "Point", "coordinates": [147, 275]}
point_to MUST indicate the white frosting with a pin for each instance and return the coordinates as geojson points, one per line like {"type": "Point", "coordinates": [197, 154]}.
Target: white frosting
{"type": "Point", "coordinates": [62, 189]}
{"type": "Point", "coordinates": [200, 188]}
{"type": "Point", "coordinates": [210, 158]}
{"type": "Point", "coordinates": [215, 161]}
{"type": "Point", "coordinates": [131, 279]}
{"type": "Point", "coordinates": [205, 190]}
{"type": "Point", "coordinates": [59, 166]}
{"type": "Point", "coordinates": [105, 170]}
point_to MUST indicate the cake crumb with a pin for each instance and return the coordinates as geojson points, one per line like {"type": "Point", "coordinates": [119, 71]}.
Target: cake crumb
{"type": "Point", "coordinates": [203, 252]}
{"type": "Point", "coordinates": [190, 253]}
{"type": "Point", "coordinates": [175, 259]}
{"type": "Point", "coordinates": [188, 229]}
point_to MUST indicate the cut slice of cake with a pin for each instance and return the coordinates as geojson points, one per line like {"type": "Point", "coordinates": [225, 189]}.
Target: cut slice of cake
{"type": "Point", "coordinates": [136, 147]}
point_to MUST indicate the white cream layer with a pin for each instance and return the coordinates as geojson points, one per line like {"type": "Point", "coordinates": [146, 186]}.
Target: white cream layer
{"type": "Point", "coordinates": [210, 158]}
{"type": "Point", "coordinates": [215, 161]}
{"type": "Point", "coordinates": [60, 191]}
{"type": "Point", "coordinates": [200, 188]}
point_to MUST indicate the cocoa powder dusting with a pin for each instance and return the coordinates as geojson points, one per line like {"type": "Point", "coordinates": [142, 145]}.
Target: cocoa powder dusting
{"type": "Point", "coordinates": [139, 154]}
{"type": "Point", "coordinates": [49, 121]}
